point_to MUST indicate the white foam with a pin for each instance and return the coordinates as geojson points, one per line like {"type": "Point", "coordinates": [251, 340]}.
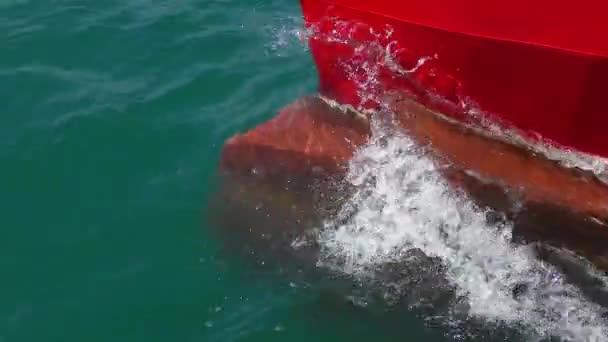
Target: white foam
{"type": "Point", "coordinates": [402, 202]}
{"type": "Point", "coordinates": [286, 36]}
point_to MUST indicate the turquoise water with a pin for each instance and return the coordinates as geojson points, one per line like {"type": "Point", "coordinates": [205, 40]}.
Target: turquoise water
{"type": "Point", "coordinates": [113, 116]}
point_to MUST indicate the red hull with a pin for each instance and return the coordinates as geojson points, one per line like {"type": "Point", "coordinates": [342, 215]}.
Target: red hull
{"type": "Point", "coordinates": [539, 67]}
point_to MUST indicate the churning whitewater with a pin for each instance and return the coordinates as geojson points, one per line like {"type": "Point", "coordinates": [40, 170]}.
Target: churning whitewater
{"type": "Point", "coordinates": [402, 203]}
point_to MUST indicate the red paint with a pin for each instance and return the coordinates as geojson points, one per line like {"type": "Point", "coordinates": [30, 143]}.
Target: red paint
{"type": "Point", "coordinates": [541, 66]}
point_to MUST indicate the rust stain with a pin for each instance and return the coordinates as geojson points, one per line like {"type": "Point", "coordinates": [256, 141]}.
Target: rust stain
{"type": "Point", "coordinates": [307, 137]}
{"type": "Point", "coordinates": [515, 167]}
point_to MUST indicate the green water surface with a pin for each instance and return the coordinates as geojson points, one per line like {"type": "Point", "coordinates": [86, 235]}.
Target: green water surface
{"type": "Point", "coordinates": [112, 120]}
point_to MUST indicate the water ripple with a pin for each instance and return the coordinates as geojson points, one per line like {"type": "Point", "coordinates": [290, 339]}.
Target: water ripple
{"type": "Point", "coordinates": [113, 110]}
{"type": "Point", "coordinates": [6, 4]}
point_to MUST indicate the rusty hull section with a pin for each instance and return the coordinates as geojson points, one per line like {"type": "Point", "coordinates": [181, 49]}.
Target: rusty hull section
{"type": "Point", "coordinates": [295, 161]}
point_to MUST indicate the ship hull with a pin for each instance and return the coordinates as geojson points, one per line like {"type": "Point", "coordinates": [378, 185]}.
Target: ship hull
{"type": "Point", "coordinates": [477, 63]}
{"type": "Point", "coordinates": [514, 122]}
{"type": "Point", "coordinates": [306, 149]}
